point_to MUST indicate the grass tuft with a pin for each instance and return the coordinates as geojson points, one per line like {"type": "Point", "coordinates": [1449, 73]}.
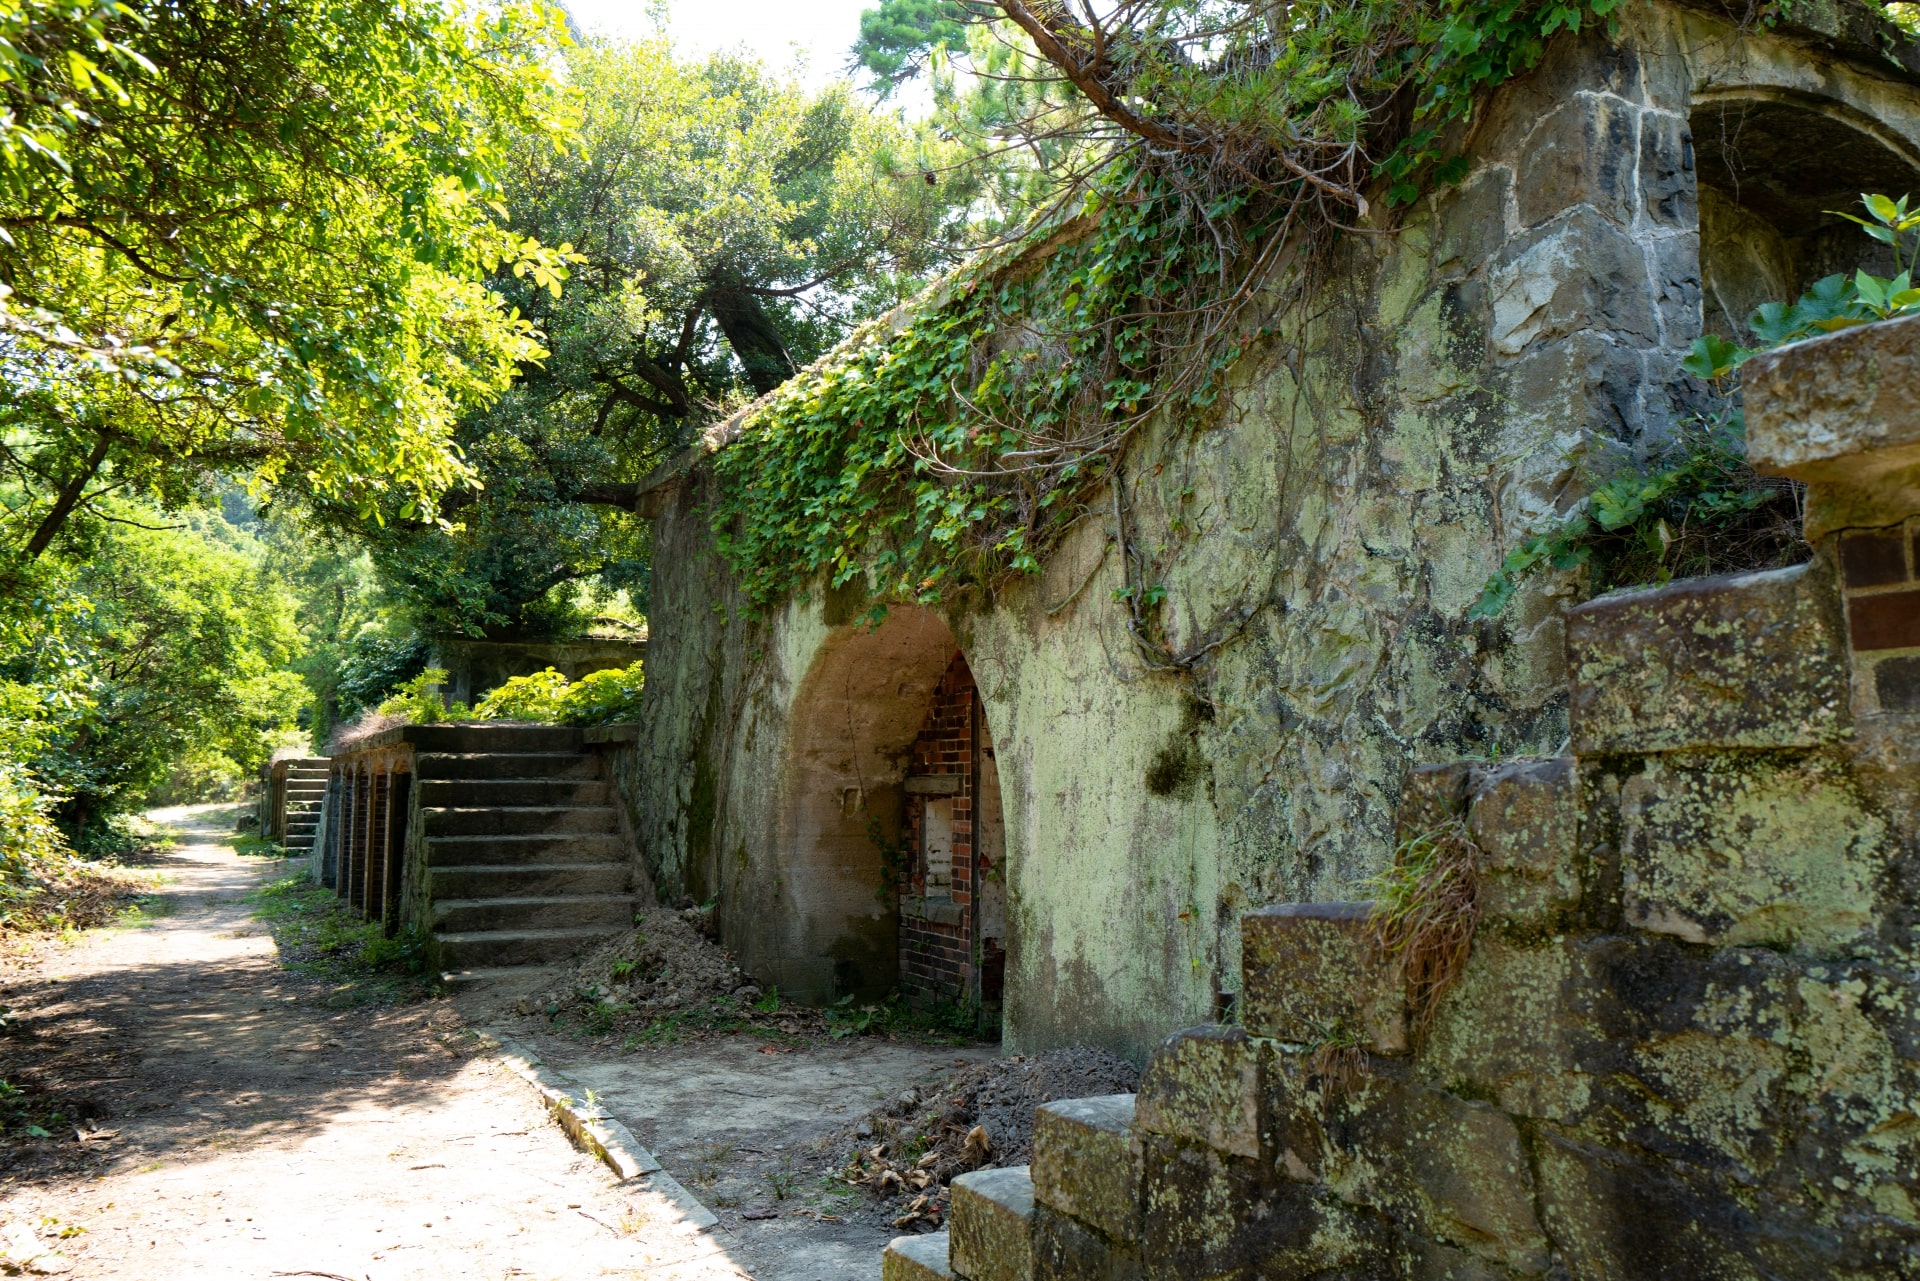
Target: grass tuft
{"type": "Point", "coordinates": [1426, 907]}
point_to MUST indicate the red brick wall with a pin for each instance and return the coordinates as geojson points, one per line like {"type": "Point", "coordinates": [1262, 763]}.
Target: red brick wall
{"type": "Point", "coordinates": [936, 958]}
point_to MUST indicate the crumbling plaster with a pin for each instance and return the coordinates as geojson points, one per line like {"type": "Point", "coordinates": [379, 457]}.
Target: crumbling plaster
{"type": "Point", "coordinates": [1444, 391]}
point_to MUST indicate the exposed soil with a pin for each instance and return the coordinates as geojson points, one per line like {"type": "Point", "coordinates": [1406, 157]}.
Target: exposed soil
{"type": "Point", "coordinates": [663, 966]}
{"type": "Point", "coordinates": [909, 1149]}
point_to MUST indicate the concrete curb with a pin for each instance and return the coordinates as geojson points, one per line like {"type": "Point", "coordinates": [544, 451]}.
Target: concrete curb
{"type": "Point", "coordinates": [591, 1128]}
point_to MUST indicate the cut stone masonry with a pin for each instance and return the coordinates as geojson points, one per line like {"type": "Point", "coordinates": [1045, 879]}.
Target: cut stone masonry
{"type": "Point", "coordinates": [1687, 1040]}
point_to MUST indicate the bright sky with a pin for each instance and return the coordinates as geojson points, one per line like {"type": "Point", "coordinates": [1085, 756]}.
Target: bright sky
{"type": "Point", "coordinates": [823, 30]}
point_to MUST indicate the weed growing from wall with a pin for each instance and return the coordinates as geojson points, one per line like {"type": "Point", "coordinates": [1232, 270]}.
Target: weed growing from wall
{"type": "Point", "coordinates": [1426, 906]}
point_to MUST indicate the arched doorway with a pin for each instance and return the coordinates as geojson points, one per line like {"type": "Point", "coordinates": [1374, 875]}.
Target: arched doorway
{"type": "Point", "coordinates": [890, 841]}
{"type": "Point", "coordinates": [1772, 166]}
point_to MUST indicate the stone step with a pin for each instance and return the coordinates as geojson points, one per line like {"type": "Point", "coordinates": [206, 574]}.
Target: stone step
{"type": "Point", "coordinates": [921, 1258]}
{"type": "Point", "coordinates": [532, 977]}
{"type": "Point", "coordinates": [481, 949]}
{"type": "Point", "coordinates": [495, 792]}
{"type": "Point", "coordinates": [528, 879]}
{"type": "Point", "coordinates": [1086, 1164]}
{"type": "Point", "coordinates": [525, 820]}
{"type": "Point", "coordinates": [1742, 661]}
{"type": "Point", "coordinates": [542, 847]}
{"type": "Point", "coordinates": [449, 765]}
{"type": "Point", "coordinates": [990, 1225]}
{"type": "Point", "coordinates": [560, 911]}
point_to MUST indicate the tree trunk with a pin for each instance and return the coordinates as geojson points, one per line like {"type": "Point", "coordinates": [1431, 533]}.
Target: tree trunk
{"type": "Point", "coordinates": [750, 332]}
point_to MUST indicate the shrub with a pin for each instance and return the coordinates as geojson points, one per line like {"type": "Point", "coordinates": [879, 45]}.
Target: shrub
{"type": "Point", "coordinates": [525, 698]}
{"type": "Point", "coordinates": [602, 698]}
{"type": "Point", "coordinates": [598, 698]}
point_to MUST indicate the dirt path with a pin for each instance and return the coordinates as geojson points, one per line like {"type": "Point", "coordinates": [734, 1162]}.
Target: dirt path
{"type": "Point", "coordinates": [238, 1127]}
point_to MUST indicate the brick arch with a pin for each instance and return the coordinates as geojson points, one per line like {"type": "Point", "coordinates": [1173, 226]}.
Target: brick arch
{"type": "Point", "coordinates": [851, 726]}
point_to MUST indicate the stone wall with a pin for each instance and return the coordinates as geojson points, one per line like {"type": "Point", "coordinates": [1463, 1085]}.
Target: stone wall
{"type": "Point", "coordinates": [1320, 535]}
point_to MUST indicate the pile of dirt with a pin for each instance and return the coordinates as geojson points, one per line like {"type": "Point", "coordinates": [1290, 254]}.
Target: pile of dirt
{"type": "Point", "coordinates": [664, 965]}
{"type": "Point", "coordinates": [909, 1149]}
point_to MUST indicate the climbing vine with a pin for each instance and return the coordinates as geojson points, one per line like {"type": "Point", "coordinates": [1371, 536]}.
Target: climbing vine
{"type": "Point", "coordinates": [952, 449]}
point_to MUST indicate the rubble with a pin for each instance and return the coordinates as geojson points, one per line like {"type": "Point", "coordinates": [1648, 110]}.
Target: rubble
{"type": "Point", "coordinates": [910, 1148]}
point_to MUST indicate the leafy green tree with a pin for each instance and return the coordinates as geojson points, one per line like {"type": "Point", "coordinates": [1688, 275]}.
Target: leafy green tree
{"type": "Point", "coordinates": [152, 646]}
{"type": "Point", "coordinates": [730, 227]}
{"type": "Point", "coordinates": [253, 237]}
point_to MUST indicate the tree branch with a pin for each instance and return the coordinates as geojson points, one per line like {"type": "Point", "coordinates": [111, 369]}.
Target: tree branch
{"type": "Point", "coordinates": [68, 498]}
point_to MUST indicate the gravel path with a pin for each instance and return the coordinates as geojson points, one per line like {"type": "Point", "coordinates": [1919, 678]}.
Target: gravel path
{"type": "Point", "coordinates": [238, 1126]}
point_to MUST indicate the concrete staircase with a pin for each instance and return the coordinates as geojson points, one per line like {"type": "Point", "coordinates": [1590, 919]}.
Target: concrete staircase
{"type": "Point", "coordinates": [306, 791]}
{"type": "Point", "coordinates": [524, 856]}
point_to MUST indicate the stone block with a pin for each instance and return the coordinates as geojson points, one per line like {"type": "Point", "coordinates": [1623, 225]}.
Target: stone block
{"type": "Point", "coordinates": [1504, 1031]}
{"type": "Point", "coordinates": [1308, 970]}
{"type": "Point", "coordinates": [1086, 1163]}
{"type": "Point", "coordinates": [1750, 849]}
{"type": "Point", "coordinates": [1614, 1216]}
{"type": "Point", "coordinates": [1737, 660]}
{"type": "Point", "coordinates": [990, 1225]}
{"type": "Point", "coordinates": [1065, 1249]}
{"type": "Point", "coordinates": [1667, 189]}
{"type": "Point", "coordinates": [1216, 1216]}
{"type": "Point", "coordinates": [1451, 1169]}
{"type": "Point", "coordinates": [1431, 795]}
{"type": "Point", "coordinates": [1203, 1086]}
{"type": "Point", "coordinates": [1525, 818]}
{"type": "Point", "coordinates": [1580, 154]}
{"type": "Point", "coordinates": [921, 1258]}
{"type": "Point", "coordinates": [1837, 411]}
{"type": "Point", "coordinates": [1294, 1112]}
{"type": "Point", "coordinates": [1579, 274]}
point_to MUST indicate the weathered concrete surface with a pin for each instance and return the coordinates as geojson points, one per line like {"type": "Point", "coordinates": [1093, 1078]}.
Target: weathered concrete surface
{"type": "Point", "coordinates": [745, 1130]}
{"type": "Point", "coordinates": [1333, 518]}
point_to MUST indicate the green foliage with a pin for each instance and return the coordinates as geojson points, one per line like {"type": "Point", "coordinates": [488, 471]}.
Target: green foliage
{"type": "Point", "coordinates": [598, 698]}
{"type": "Point", "coordinates": [1697, 509]}
{"type": "Point", "coordinates": [732, 226]}
{"type": "Point", "coordinates": [898, 36]}
{"type": "Point", "coordinates": [159, 648]}
{"type": "Point", "coordinates": [1832, 303]}
{"type": "Point", "coordinates": [604, 697]}
{"type": "Point", "coordinates": [418, 701]}
{"type": "Point", "coordinates": [28, 836]}
{"type": "Point", "coordinates": [834, 472]}
{"type": "Point", "coordinates": [252, 238]}
{"type": "Point", "coordinates": [951, 451]}
{"type": "Point", "coordinates": [526, 698]}
{"type": "Point", "coordinates": [318, 937]}
{"type": "Point", "coordinates": [372, 667]}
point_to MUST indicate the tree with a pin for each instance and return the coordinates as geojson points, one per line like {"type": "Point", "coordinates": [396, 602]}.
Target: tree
{"type": "Point", "coordinates": [730, 227]}
{"type": "Point", "coordinates": [252, 238]}
{"type": "Point", "coordinates": [150, 646]}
